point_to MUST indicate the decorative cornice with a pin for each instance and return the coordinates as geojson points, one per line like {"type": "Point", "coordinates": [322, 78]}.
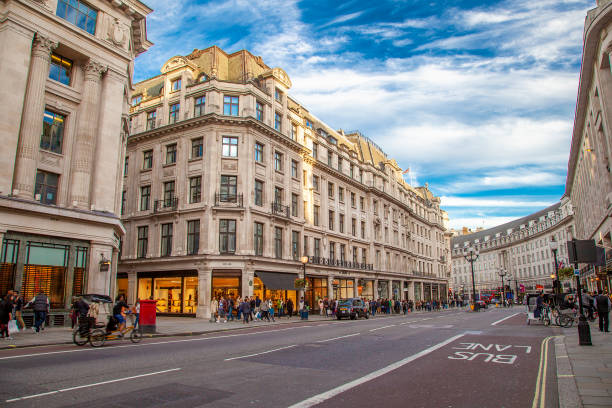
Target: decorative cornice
{"type": "Point", "coordinates": [93, 70]}
{"type": "Point", "coordinates": [42, 46]}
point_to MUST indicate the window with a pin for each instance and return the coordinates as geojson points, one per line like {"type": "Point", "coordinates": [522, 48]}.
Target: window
{"type": "Point", "coordinates": [294, 169]}
{"type": "Point", "coordinates": [315, 151]}
{"type": "Point", "coordinates": [355, 255]}
{"type": "Point", "coordinates": [230, 105]}
{"type": "Point", "coordinates": [230, 146]}
{"type": "Point", "coordinates": [330, 158]}
{"type": "Point", "coordinates": [353, 200]}
{"type": "Point", "coordinates": [151, 120]}
{"type": "Point", "coordinates": [332, 250]}
{"type": "Point", "coordinates": [143, 241]}
{"type": "Point", "coordinates": [195, 189]}
{"type": "Point", "coordinates": [277, 121]}
{"type": "Point", "coordinates": [309, 124]}
{"type": "Point", "coordinates": [315, 183]}
{"type": "Point", "coordinates": [317, 248]}
{"type": "Point", "coordinates": [330, 220]}
{"type": "Point", "coordinates": [199, 106]}
{"type": "Point", "coordinates": [193, 237]}
{"type": "Point", "coordinates": [351, 170]}
{"type": "Point", "coordinates": [197, 147]}
{"type": "Point", "coordinates": [171, 154]}
{"type": "Point", "coordinates": [259, 111]}
{"type": "Point", "coordinates": [123, 201]}
{"type": "Point", "coordinates": [202, 78]}
{"type": "Point", "coordinates": [278, 242]}
{"type": "Point", "coordinates": [125, 166]}
{"type": "Point", "coordinates": [295, 245]}
{"type": "Point", "coordinates": [278, 95]}
{"type": "Point", "coordinates": [330, 189]}
{"type": "Point", "coordinates": [228, 189]}
{"type": "Point", "coordinates": [147, 159]}
{"type": "Point", "coordinates": [258, 192]}
{"type": "Point", "coordinates": [53, 132]}
{"type": "Point", "coordinates": [278, 161]}
{"type": "Point", "coordinates": [174, 113]}
{"type": "Point", "coordinates": [145, 198]}
{"type": "Point", "coordinates": [315, 215]}
{"type": "Point", "coordinates": [363, 229]}
{"type": "Point", "coordinates": [227, 236]}
{"type": "Point", "coordinates": [341, 223]}
{"type": "Point", "coordinates": [305, 245]}
{"type": "Point", "coordinates": [364, 256]}
{"type": "Point", "coordinates": [78, 13]}
{"type": "Point", "coordinates": [259, 152]}
{"type": "Point", "coordinates": [353, 226]}
{"type": "Point", "coordinates": [168, 193]}
{"type": "Point", "coordinates": [45, 189]}
{"type": "Point", "coordinates": [278, 195]}
{"type": "Point", "coordinates": [176, 85]}
{"type": "Point", "coordinates": [294, 132]}
{"type": "Point", "coordinates": [340, 164]}
{"type": "Point", "coordinates": [166, 239]}
{"type": "Point", "coordinates": [294, 204]}
{"type": "Point", "coordinates": [341, 194]}
{"type": "Point", "coordinates": [361, 204]}
{"type": "Point", "coordinates": [258, 238]}
{"type": "Point", "coordinates": [61, 68]}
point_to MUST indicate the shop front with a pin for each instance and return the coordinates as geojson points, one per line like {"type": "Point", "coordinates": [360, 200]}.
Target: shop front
{"type": "Point", "coordinates": [365, 289]}
{"type": "Point", "coordinates": [316, 289]}
{"type": "Point", "coordinates": [176, 293]}
{"type": "Point", "coordinates": [434, 292]}
{"type": "Point", "coordinates": [383, 289]}
{"type": "Point", "coordinates": [427, 290]}
{"type": "Point", "coordinates": [396, 289]}
{"type": "Point", "coordinates": [418, 294]}
{"type": "Point", "coordinates": [275, 286]}
{"type": "Point", "coordinates": [226, 283]}
{"type": "Point", "coordinates": [343, 288]}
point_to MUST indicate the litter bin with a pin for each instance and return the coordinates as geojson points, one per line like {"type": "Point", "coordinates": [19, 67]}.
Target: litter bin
{"type": "Point", "coordinates": [148, 315]}
{"type": "Point", "coordinates": [304, 313]}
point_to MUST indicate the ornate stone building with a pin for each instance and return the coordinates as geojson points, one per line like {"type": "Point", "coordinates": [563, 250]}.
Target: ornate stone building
{"type": "Point", "coordinates": [520, 247]}
{"type": "Point", "coordinates": [230, 182]}
{"type": "Point", "coordinates": [589, 182]}
{"type": "Point", "coordinates": [66, 78]}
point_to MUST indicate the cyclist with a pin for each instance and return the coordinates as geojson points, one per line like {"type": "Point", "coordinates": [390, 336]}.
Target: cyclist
{"type": "Point", "coordinates": [119, 311]}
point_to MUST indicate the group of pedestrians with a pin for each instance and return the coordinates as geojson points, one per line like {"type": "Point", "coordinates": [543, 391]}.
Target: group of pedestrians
{"type": "Point", "coordinates": [224, 309]}
{"type": "Point", "coordinates": [600, 303]}
{"type": "Point", "coordinates": [12, 306]}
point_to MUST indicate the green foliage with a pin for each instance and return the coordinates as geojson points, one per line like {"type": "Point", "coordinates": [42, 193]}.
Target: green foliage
{"type": "Point", "coordinates": [566, 273]}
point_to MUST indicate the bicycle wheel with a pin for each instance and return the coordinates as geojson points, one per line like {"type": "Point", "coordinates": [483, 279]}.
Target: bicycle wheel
{"type": "Point", "coordinates": [136, 335]}
{"type": "Point", "coordinates": [97, 338]}
{"type": "Point", "coordinates": [546, 320]}
{"type": "Point", "coordinates": [80, 338]}
{"type": "Point", "coordinates": [566, 321]}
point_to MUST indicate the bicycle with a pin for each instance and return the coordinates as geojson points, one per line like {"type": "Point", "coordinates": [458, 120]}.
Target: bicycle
{"type": "Point", "coordinates": [98, 335]}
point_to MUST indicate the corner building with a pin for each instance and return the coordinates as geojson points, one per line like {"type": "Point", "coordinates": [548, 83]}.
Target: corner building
{"type": "Point", "coordinates": [229, 182]}
{"type": "Point", "coordinates": [65, 69]}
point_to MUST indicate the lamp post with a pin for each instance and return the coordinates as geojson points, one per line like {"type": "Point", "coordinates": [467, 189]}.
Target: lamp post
{"type": "Point", "coordinates": [502, 272]}
{"type": "Point", "coordinates": [471, 255]}
{"type": "Point", "coordinates": [554, 246]}
{"type": "Point", "coordinates": [510, 277]}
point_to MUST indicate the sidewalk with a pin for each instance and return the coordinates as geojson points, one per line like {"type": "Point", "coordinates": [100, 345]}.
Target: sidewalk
{"type": "Point", "coordinates": [584, 373]}
{"type": "Point", "coordinates": [166, 326]}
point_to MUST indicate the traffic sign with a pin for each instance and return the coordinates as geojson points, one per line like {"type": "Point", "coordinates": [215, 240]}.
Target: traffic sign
{"type": "Point", "coordinates": [577, 272]}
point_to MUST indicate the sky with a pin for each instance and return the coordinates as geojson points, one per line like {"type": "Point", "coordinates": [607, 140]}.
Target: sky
{"type": "Point", "coordinates": [476, 98]}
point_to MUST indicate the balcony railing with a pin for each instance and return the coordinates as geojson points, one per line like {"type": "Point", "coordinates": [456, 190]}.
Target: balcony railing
{"type": "Point", "coordinates": [167, 204]}
{"type": "Point", "coordinates": [228, 200]}
{"type": "Point", "coordinates": [316, 260]}
{"type": "Point", "coordinates": [280, 209]}
{"type": "Point", "coordinates": [424, 274]}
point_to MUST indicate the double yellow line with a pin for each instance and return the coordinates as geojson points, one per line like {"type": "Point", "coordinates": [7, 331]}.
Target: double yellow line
{"type": "Point", "coordinates": [539, 399]}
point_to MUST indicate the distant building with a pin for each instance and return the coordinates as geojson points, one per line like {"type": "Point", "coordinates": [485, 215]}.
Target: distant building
{"type": "Point", "coordinates": [230, 182]}
{"type": "Point", "coordinates": [589, 182]}
{"type": "Point", "coordinates": [521, 247]}
{"type": "Point", "coordinates": [66, 74]}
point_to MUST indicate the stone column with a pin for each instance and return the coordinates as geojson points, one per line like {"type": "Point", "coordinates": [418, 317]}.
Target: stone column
{"type": "Point", "coordinates": [248, 275]}
{"type": "Point", "coordinates": [87, 130]}
{"type": "Point", "coordinates": [32, 118]}
{"type": "Point", "coordinates": [390, 289]}
{"type": "Point", "coordinates": [431, 291]}
{"type": "Point", "coordinates": [355, 290]}
{"type": "Point", "coordinates": [375, 288]}
{"type": "Point", "coordinates": [204, 289]}
{"type": "Point", "coordinates": [132, 294]}
{"type": "Point", "coordinates": [330, 287]}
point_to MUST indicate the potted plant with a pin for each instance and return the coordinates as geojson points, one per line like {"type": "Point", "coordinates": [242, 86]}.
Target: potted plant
{"type": "Point", "coordinates": [300, 283]}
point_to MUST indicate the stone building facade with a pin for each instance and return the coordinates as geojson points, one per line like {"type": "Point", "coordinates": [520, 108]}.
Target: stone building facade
{"type": "Point", "coordinates": [66, 78]}
{"type": "Point", "coordinates": [229, 182]}
{"type": "Point", "coordinates": [520, 247]}
{"type": "Point", "coordinates": [589, 182]}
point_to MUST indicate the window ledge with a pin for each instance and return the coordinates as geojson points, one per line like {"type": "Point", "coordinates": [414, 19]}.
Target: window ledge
{"type": "Point", "coordinates": [195, 159]}
{"type": "Point", "coordinates": [169, 164]}
{"type": "Point", "coordinates": [146, 170]}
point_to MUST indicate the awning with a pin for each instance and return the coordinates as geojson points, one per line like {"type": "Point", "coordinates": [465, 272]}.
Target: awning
{"type": "Point", "coordinates": [277, 281]}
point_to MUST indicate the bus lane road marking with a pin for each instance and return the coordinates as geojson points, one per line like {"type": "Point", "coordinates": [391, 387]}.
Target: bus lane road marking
{"type": "Point", "coordinates": [495, 353]}
{"type": "Point", "coordinates": [259, 354]}
{"type": "Point", "coordinates": [505, 318]}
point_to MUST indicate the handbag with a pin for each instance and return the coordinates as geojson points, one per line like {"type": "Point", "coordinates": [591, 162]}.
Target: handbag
{"type": "Point", "coordinates": [12, 327]}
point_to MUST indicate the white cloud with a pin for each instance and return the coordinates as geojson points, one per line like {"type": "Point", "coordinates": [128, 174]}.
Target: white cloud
{"type": "Point", "coordinates": [478, 222]}
{"type": "Point", "coordinates": [453, 201]}
{"type": "Point", "coordinates": [344, 18]}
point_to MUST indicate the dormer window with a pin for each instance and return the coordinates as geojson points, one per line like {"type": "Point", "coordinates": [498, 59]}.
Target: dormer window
{"type": "Point", "coordinates": [278, 95]}
{"type": "Point", "coordinates": [332, 140]}
{"type": "Point", "coordinates": [136, 100]}
{"type": "Point", "coordinates": [176, 85]}
{"type": "Point", "coordinates": [202, 78]}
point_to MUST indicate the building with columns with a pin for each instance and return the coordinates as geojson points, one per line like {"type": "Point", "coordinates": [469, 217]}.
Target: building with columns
{"type": "Point", "coordinates": [589, 181]}
{"type": "Point", "coordinates": [230, 182]}
{"type": "Point", "coordinates": [66, 76]}
{"type": "Point", "coordinates": [521, 247]}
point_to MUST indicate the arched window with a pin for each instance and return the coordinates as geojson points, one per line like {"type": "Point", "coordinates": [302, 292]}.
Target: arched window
{"type": "Point", "coordinates": [202, 78]}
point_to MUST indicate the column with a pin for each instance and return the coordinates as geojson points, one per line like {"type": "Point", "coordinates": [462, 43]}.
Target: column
{"type": "Point", "coordinates": [100, 281]}
{"type": "Point", "coordinates": [330, 287]}
{"type": "Point", "coordinates": [86, 133]}
{"type": "Point", "coordinates": [422, 291]}
{"type": "Point", "coordinates": [431, 291]}
{"type": "Point", "coordinates": [389, 289]}
{"type": "Point", "coordinates": [204, 289]}
{"type": "Point", "coordinates": [375, 288]}
{"type": "Point", "coordinates": [248, 275]}
{"type": "Point", "coordinates": [32, 118]}
{"type": "Point", "coordinates": [355, 290]}
{"type": "Point", "coordinates": [132, 294]}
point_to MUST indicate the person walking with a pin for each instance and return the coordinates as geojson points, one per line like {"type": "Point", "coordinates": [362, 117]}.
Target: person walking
{"type": "Point", "coordinates": [263, 309]}
{"type": "Point", "coordinates": [221, 311]}
{"type": "Point", "coordinates": [271, 309]}
{"type": "Point", "coordinates": [321, 309]}
{"type": "Point", "coordinates": [245, 309]}
{"type": "Point", "coordinates": [18, 308]}
{"type": "Point", "coordinates": [603, 305]}
{"type": "Point", "coordinates": [6, 309]}
{"type": "Point", "coordinates": [40, 304]}
{"type": "Point", "coordinates": [289, 307]}
{"type": "Point", "coordinates": [214, 307]}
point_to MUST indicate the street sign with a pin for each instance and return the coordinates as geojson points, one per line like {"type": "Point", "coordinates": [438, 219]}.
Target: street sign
{"type": "Point", "coordinates": [577, 272]}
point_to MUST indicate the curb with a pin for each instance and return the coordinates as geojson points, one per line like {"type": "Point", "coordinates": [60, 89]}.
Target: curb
{"type": "Point", "coordinates": [566, 382]}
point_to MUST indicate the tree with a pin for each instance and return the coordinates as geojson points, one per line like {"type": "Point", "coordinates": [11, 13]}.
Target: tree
{"type": "Point", "coordinates": [566, 273]}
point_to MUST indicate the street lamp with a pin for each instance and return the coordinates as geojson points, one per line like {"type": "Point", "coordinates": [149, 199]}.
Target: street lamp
{"type": "Point", "coordinates": [304, 260]}
{"type": "Point", "coordinates": [554, 246]}
{"type": "Point", "coordinates": [471, 255]}
{"type": "Point", "coordinates": [502, 272]}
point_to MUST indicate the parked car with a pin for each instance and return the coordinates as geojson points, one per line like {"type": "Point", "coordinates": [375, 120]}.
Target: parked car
{"type": "Point", "coordinates": [352, 308]}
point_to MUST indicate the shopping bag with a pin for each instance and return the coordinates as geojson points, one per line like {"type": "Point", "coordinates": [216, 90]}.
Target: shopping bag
{"type": "Point", "coordinates": [12, 327]}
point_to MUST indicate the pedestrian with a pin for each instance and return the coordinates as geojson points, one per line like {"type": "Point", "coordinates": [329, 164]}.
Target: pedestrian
{"type": "Point", "coordinates": [73, 311]}
{"type": "Point", "coordinates": [587, 303]}
{"type": "Point", "coordinates": [238, 312]}
{"type": "Point", "coordinates": [221, 310]}
{"type": "Point", "coordinates": [245, 309]}
{"type": "Point", "coordinates": [18, 301]}
{"type": "Point", "coordinates": [6, 308]}
{"type": "Point", "coordinates": [271, 309]}
{"type": "Point", "coordinates": [321, 308]}
{"type": "Point", "coordinates": [40, 304]}
{"type": "Point", "coordinates": [137, 313]}
{"type": "Point", "coordinates": [251, 308]}
{"type": "Point", "coordinates": [263, 309]}
{"type": "Point", "coordinates": [603, 305]}
{"type": "Point", "coordinates": [214, 307]}
{"type": "Point", "coordinates": [289, 307]}
{"type": "Point", "coordinates": [230, 308]}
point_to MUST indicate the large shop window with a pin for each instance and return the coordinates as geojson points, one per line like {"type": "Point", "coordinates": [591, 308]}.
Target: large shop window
{"type": "Point", "coordinates": [80, 268]}
{"type": "Point", "coordinates": [343, 288]}
{"type": "Point", "coordinates": [174, 294]}
{"type": "Point", "coordinates": [8, 264]}
{"type": "Point", "coordinates": [226, 286]}
{"type": "Point", "coordinates": [272, 288]}
{"type": "Point", "coordinates": [317, 289]}
{"type": "Point", "coordinates": [45, 271]}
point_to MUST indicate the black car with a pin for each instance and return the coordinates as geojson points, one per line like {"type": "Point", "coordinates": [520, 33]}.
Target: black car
{"type": "Point", "coordinates": [352, 308]}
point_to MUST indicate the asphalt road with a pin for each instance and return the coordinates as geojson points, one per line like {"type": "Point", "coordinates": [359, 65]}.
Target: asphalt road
{"type": "Point", "coordinates": [440, 359]}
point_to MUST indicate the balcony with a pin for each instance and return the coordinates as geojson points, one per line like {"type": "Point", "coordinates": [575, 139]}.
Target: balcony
{"type": "Point", "coordinates": [167, 204]}
{"type": "Point", "coordinates": [316, 260]}
{"type": "Point", "coordinates": [279, 209]}
{"type": "Point", "coordinates": [229, 200]}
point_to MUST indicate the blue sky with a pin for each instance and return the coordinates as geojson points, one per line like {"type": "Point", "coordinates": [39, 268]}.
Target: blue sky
{"type": "Point", "coordinates": [477, 98]}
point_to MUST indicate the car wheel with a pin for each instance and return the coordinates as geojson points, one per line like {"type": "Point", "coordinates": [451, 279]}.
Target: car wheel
{"type": "Point", "coordinates": [338, 317]}
{"type": "Point", "coordinates": [367, 315]}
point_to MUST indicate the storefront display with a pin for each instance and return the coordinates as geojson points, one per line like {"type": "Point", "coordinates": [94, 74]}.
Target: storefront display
{"type": "Point", "coordinates": [383, 289]}
{"type": "Point", "coordinates": [226, 284]}
{"type": "Point", "coordinates": [275, 285]}
{"type": "Point", "coordinates": [396, 289]}
{"type": "Point", "coordinates": [317, 289]}
{"type": "Point", "coordinates": [174, 294]}
{"type": "Point", "coordinates": [343, 288]}
{"type": "Point", "coordinates": [366, 290]}
{"type": "Point", "coordinates": [427, 292]}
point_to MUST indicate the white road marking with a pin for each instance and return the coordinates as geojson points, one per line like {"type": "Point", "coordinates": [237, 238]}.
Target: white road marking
{"type": "Point", "coordinates": [384, 327]}
{"type": "Point", "coordinates": [505, 318]}
{"type": "Point", "coordinates": [317, 399]}
{"type": "Point", "coordinates": [341, 337]}
{"type": "Point", "coordinates": [263, 352]}
{"type": "Point", "coordinates": [90, 385]}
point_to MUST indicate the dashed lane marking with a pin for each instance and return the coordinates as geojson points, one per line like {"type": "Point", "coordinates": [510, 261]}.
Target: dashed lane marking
{"type": "Point", "coordinates": [380, 328]}
{"type": "Point", "coordinates": [263, 352]}
{"type": "Point", "coordinates": [505, 318]}
{"type": "Point", "coordinates": [340, 337]}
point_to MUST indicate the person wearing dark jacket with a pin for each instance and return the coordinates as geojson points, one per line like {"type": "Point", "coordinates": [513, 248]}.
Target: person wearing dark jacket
{"type": "Point", "coordinates": [602, 304]}
{"type": "Point", "coordinates": [6, 309]}
{"type": "Point", "coordinates": [290, 307]}
{"type": "Point", "coordinates": [40, 304]}
{"type": "Point", "coordinates": [245, 309]}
